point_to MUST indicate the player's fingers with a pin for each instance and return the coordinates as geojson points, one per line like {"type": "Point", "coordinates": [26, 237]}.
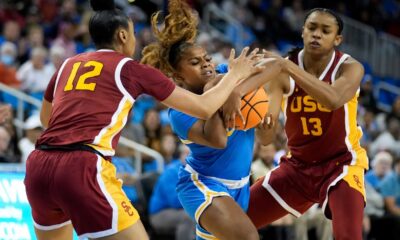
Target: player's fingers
{"type": "Point", "coordinates": [232, 54]}
{"type": "Point", "coordinates": [269, 54]}
{"type": "Point", "coordinates": [239, 114]}
{"type": "Point", "coordinates": [244, 52]}
{"type": "Point", "coordinates": [253, 53]}
{"type": "Point", "coordinates": [269, 121]}
{"type": "Point", "coordinates": [227, 120]}
{"type": "Point", "coordinates": [258, 57]}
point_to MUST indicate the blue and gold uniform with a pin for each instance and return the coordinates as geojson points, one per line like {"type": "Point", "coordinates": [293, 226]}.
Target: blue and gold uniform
{"type": "Point", "coordinates": [210, 172]}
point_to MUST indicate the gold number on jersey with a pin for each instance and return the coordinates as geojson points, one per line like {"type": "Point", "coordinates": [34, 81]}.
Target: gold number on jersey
{"type": "Point", "coordinates": [81, 84]}
{"type": "Point", "coordinates": [316, 129]}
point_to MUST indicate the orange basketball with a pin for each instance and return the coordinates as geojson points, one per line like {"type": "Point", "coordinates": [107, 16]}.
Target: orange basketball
{"type": "Point", "coordinates": [254, 107]}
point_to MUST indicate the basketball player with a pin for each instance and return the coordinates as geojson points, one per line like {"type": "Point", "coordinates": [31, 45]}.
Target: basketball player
{"type": "Point", "coordinates": [325, 163]}
{"type": "Point", "coordinates": [69, 178]}
{"type": "Point", "coordinates": [213, 187]}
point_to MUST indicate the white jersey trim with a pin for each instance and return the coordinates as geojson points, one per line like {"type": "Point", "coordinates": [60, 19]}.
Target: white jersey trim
{"type": "Point", "coordinates": [346, 139]}
{"type": "Point", "coordinates": [322, 76]}
{"type": "Point", "coordinates": [231, 184]}
{"type": "Point", "coordinates": [110, 200]}
{"type": "Point", "coordinates": [275, 195]}
{"type": "Point", "coordinates": [58, 76]}
{"type": "Point", "coordinates": [341, 60]}
{"type": "Point", "coordinates": [127, 98]}
{"type": "Point", "coordinates": [52, 227]}
{"type": "Point", "coordinates": [333, 183]}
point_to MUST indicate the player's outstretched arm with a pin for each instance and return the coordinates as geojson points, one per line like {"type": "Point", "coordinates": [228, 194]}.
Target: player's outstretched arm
{"type": "Point", "coordinates": [266, 131]}
{"type": "Point", "coordinates": [205, 105]}
{"type": "Point", "coordinates": [330, 96]}
{"type": "Point", "coordinates": [231, 108]}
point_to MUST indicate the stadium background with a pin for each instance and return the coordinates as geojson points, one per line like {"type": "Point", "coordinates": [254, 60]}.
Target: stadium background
{"type": "Point", "coordinates": [36, 35]}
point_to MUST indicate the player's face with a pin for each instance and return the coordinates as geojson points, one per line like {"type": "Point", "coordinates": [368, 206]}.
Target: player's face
{"type": "Point", "coordinates": [195, 68]}
{"type": "Point", "coordinates": [320, 33]}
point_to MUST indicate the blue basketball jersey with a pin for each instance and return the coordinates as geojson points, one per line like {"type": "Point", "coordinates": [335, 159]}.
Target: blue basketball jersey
{"type": "Point", "coordinates": [232, 162]}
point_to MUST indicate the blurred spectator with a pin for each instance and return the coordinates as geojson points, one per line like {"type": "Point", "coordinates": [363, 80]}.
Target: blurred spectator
{"type": "Point", "coordinates": [166, 212]}
{"type": "Point", "coordinates": [369, 127]}
{"type": "Point", "coordinates": [381, 166]}
{"type": "Point", "coordinates": [33, 129]}
{"type": "Point", "coordinates": [127, 174]}
{"type": "Point", "coordinates": [5, 112]}
{"type": "Point", "coordinates": [241, 35]}
{"type": "Point", "coordinates": [33, 74]}
{"type": "Point", "coordinates": [264, 161]}
{"type": "Point", "coordinates": [5, 154]}
{"type": "Point", "coordinates": [8, 72]}
{"type": "Point", "coordinates": [294, 15]}
{"type": "Point", "coordinates": [390, 190]}
{"type": "Point", "coordinates": [389, 139]}
{"type": "Point", "coordinates": [367, 99]}
{"type": "Point", "coordinates": [168, 147]}
{"type": "Point", "coordinates": [152, 129]}
{"type": "Point", "coordinates": [35, 39]}
{"type": "Point", "coordinates": [395, 112]}
{"type": "Point", "coordinates": [373, 212]}
{"type": "Point", "coordinates": [57, 57]}
{"type": "Point", "coordinates": [65, 38]}
{"type": "Point", "coordinates": [313, 218]}
{"type": "Point", "coordinates": [11, 32]}
{"type": "Point", "coordinates": [222, 55]}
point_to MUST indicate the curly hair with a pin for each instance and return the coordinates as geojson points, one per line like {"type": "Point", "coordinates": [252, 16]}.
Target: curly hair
{"type": "Point", "coordinates": [178, 33]}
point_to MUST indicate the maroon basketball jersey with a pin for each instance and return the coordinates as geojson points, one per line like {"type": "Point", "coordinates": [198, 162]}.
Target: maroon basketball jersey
{"type": "Point", "coordinates": [315, 133]}
{"type": "Point", "coordinates": [92, 95]}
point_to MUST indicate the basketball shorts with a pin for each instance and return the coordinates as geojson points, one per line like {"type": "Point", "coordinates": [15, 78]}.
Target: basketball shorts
{"type": "Point", "coordinates": [196, 193]}
{"type": "Point", "coordinates": [297, 188]}
{"type": "Point", "coordinates": [77, 187]}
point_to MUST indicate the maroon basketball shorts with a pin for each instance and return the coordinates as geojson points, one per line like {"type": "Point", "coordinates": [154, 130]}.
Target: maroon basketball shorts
{"type": "Point", "coordinates": [77, 187]}
{"type": "Point", "coordinates": [297, 188]}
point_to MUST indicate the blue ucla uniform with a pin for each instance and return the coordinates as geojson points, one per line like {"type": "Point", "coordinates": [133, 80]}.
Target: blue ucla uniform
{"type": "Point", "coordinates": [210, 172]}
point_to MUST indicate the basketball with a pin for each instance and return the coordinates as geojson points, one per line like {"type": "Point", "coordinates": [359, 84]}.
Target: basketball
{"type": "Point", "coordinates": [254, 107]}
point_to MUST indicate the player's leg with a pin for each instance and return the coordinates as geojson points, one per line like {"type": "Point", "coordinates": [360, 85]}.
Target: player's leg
{"type": "Point", "coordinates": [263, 208]}
{"type": "Point", "coordinates": [225, 219]}
{"type": "Point", "coordinates": [347, 207]}
{"type": "Point", "coordinates": [95, 201]}
{"type": "Point", "coordinates": [62, 233]}
{"type": "Point", "coordinates": [50, 221]}
{"type": "Point", "coordinates": [276, 195]}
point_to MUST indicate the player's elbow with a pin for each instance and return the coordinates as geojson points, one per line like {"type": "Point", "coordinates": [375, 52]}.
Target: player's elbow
{"type": "Point", "coordinates": [219, 142]}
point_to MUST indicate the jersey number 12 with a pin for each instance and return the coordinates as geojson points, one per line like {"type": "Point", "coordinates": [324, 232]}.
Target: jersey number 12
{"type": "Point", "coordinates": [81, 84]}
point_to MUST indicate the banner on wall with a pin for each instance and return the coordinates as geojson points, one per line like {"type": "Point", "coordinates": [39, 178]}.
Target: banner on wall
{"type": "Point", "coordinates": [16, 221]}
{"type": "Point", "coordinates": [15, 213]}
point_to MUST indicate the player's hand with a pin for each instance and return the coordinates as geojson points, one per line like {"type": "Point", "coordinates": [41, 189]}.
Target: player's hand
{"type": "Point", "coordinates": [231, 109]}
{"type": "Point", "coordinates": [245, 64]}
{"type": "Point", "coordinates": [270, 54]}
{"type": "Point", "coordinates": [266, 124]}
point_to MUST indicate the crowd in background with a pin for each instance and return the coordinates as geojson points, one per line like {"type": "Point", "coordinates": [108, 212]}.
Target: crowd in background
{"type": "Point", "coordinates": [37, 35]}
